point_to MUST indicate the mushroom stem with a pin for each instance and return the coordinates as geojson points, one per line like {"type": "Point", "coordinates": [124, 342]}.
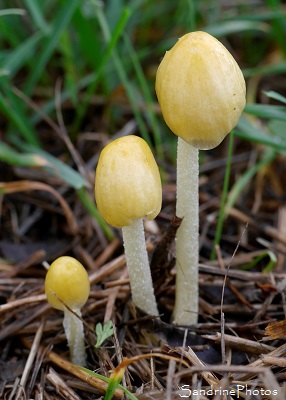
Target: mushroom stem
{"type": "Point", "coordinates": [138, 267]}
{"type": "Point", "coordinates": [74, 330]}
{"type": "Point", "coordinates": [187, 240]}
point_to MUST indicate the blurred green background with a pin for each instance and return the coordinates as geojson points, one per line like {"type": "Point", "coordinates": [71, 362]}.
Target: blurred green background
{"type": "Point", "coordinates": [76, 73]}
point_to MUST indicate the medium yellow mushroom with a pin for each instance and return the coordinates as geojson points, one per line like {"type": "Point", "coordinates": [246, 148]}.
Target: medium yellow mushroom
{"type": "Point", "coordinates": [128, 188]}
{"type": "Point", "coordinates": [201, 92]}
{"type": "Point", "coordinates": [67, 283]}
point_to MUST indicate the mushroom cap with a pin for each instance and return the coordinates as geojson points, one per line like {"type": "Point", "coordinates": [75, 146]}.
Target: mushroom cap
{"type": "Point", "coordinates": [68, 281]}
{"type": "Point", "coordinates": [201, 90]}
{"type": "Point", "coordinates": [127, 182]}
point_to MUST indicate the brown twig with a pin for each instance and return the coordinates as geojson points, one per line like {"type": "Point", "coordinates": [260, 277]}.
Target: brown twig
{"type": "Point", "coordinates": [76, 371]}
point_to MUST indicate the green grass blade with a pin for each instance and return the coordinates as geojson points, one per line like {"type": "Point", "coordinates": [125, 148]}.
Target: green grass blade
{"type": "Point", "coordinates": [124, 78]}
{"type": "Point", "coordinates": [21, 54]}
{"type": "Point", "coordinates": [266, 111]}
{"type": "Point", "coordinates": [103, 378]}
{"type": "Point", "coordinates": [8, 31]}
{"type": "Point", "coordinates": [221, 215]}
{"type": "Point", "coordinates": [246, 177]}
{"type": "Point", "coordinates": [12, 11]}
{"type": "Point", "coordinates": [91, 208]}
{"type": "Point", "coordinates": [66, 173]}
{"type": "Point", "coordinates": [69, 66]}
{"type": "Point", "coordinates": [265, 15]}
{"type": "Point", "coordinates": [113, 39]}
{"type": "Point", "coordinates": [278, 130]}
{"type": "Point", "coordinates": [277, 68]}
{"type": "Point", "coordinates": [236, 26]}
{"type": "Point", "coordinates": [275, 96]}
{"type": "Point", "coordinates": [112, 12]}
{"type": "Point", "coordinates": [10, 107]}
{"type": "Point", "coordinates": [38, 18]}
{"type": "Point", "coordinates": [89, 40]}
{"type": "Point", "coordinates": [56, 166]}
{"type": "Point", "coordinates": [37, 157]}
{"type": "Point", "coordinates": [270, 265]}
{"type": "Point", "coordinates": [61, 21]}
{"type": "Point", "coordinates": [247, 131]}
{"type": "Point", "coordinates": [112, 386]}
{"type": "Point", "coordinates": [272, 262]}
{"type": "Point", "coordinates": [146, 95]}
{"type": "Point", "coordinates": [192, 15]}
{"type": "Point", "coordinates": [12, 157]}
{"type": "Point", "coordinates": [278, 23]}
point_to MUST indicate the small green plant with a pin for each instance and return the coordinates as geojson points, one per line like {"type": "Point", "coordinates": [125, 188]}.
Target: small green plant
{"type": "Point", "coordinates": [103, 332]}
{"type": "Point", "coordinates": [118, 372]}
{"type": "Point", "coordinates": [113, 383]}
{"type": "Point", "coordinates": [264, 254]}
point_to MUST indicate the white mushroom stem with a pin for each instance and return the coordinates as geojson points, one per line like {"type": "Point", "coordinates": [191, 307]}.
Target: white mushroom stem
{"type": "Point", "coordinates": [74, 330]}
{"type": "Point", "coordinates": [138, 267]}
{"type": "Point", "coordinates": [187, 240]}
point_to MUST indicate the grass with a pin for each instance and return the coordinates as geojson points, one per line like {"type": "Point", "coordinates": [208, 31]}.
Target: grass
{"type": "Point", "coordinates": [75, 74]}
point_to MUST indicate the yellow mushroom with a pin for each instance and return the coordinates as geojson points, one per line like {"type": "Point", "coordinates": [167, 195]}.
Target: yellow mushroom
{"type": "Point", "coordinates": [67, 283]}
{"type": "Point", "coordinates": [201, 92]}
{"type": "Point", "coordinates": [128, 188]}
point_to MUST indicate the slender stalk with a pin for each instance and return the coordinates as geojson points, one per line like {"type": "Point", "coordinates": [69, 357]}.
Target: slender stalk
{"type": "Point", "coordinates": [138, 267]}
{"type": "Point", "coordinates": [75, 336]}
{"type": "Point", "coordinates": [187, 241]}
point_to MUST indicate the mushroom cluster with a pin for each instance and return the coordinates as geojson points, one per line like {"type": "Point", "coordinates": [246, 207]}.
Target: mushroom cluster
{"type": "Point", "coordinates": [201, 91]}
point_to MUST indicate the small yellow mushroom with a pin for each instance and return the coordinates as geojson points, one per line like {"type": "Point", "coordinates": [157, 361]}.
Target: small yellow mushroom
{"type": "Point", "coordinates": [128, 184]}
{"type": "Point", "coordinates": [67, 283]}
{"type": "Point", "coordinates": [128, 188]}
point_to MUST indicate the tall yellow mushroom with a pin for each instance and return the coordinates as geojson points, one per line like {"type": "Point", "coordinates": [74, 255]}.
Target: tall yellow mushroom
{"type": "Point", "coordinates": [128, 188]}
{"type": "Point", "coordinates": [201, 91]}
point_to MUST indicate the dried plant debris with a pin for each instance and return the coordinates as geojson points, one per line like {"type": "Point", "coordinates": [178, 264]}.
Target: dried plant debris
{"type": "Point", "coordinates": [276, 330]}
{"type": "Point", "coordinates": [34, 351]}
{"type": "Point", "coordinates": [163, 260]}
{"type": "Point", "coordinates": [249, 360]}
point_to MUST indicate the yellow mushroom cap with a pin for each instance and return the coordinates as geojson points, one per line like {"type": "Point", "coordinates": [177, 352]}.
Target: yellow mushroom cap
{"type": "Point", "coordinates": [201, 90]}
{"type": "Point", "coordinates": [127, 182]}
{"type": "Point", "coordinates": [68, 280]}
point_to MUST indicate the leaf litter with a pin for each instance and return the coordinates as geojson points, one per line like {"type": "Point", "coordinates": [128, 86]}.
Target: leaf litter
{"type": "Point", "coordinates": [239, 355]}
